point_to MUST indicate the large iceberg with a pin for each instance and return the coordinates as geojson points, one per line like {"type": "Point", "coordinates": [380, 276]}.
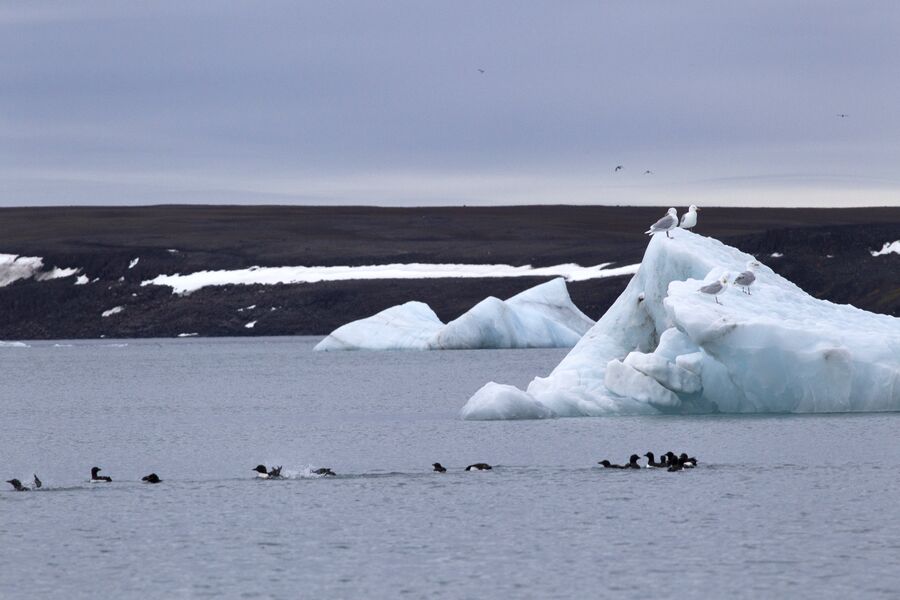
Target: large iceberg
{"type": "Point", "coordinates": [663, 347]}
{"type": "Point", "coordinates": [540, 317]}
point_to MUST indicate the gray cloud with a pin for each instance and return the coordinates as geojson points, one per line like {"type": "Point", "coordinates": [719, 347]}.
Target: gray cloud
{"type": "Point", "coordinates": [351, 102]}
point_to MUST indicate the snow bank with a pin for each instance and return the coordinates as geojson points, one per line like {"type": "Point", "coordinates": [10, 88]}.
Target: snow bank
{"type": "Point", "coordinates": [112, 311]}
{"type": "Point", "coordinates": [185, 284]}
{"type": "Point", "coordinates": [665, 348]}
{"type": "Point", "coordinates": [14, 267]}
{"type": "Point", "coordinates": [540, 317]}
{"type": "Point", "coordinates": [889, 248]}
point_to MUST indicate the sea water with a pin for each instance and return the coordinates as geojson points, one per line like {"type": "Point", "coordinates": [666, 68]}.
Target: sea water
{"type": "Point", "coordinates": [781, 505]}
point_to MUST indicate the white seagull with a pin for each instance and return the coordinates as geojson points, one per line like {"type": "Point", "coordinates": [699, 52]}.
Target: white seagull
{"type": "Point", "coordinates": [689, 219]}
{"type": "Point", "coordinates": [746, 278]}
{"type": "Point", "coordinates": [716, 288]}
{"type": "Point", "coordinates": [667, 223]}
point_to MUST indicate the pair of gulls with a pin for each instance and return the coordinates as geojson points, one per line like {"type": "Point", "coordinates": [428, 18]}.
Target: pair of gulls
{"type": "Point", "coordinates": [670, 221]}
{"type": "Point", "coordinates": [744, 280]}
{"type": "Point", "coordinates": [688, 220]}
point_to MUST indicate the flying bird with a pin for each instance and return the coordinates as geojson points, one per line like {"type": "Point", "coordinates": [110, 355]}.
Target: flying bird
{"type": "Point", "coordinates": [481, 71]}
{"type": "Point", "coordinates": [667, 223]}
{"type": "Point", "coordinates": [648, 172]}
{"type": "Point", "coordinates": [843, 115]}
{"type": "Point", "coordinates": [689, 219]}
{"type": "Point", "coordinates": [617, 169]}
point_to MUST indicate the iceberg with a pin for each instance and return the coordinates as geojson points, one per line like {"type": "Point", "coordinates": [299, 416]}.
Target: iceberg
{"type": "Point", "coordinates": [663, 347]}
{"type": "Point", "coordinates": [540, 317]}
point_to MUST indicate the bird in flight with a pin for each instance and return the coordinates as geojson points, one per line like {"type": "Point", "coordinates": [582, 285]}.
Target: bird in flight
{"type": "Point", "coordinates": [843, 115]}
{"type": "Point", "coordinates": [481, 71]}
{"type": "Point", "coordinates": [617, 169]}
{"type": "Point", "coordinates": [648, 172]}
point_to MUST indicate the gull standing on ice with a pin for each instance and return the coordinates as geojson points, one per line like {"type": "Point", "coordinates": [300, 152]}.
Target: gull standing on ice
{"type": "Point", "coordinates": [689, 219]}
{"type": "Point", "coordinates": [667, 223]}
{"type": "Point", "coordinates": [716, 287]}
{"type": "Point", "coordinates": [746, 278]}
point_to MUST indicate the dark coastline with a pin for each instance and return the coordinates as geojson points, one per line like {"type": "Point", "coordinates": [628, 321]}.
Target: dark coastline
{"type": "Point", "coordinates": [102, 241]}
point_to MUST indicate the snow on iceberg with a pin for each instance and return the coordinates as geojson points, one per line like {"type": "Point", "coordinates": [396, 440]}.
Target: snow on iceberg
{"type": "Point", "coordinates": [540, 317]}
{"type": "Point", "coordinates": [665, 348]}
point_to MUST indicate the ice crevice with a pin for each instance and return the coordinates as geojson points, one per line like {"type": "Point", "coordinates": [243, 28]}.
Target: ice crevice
{"type": "Point", "coordinates": [663, 347]}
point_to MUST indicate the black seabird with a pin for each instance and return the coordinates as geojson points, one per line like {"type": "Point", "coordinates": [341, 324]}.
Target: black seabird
{"type": "Point", "coordinates": [633, 462]}
{"type": "Point", "coordinates": [607, 465]}
{"type": "Point", "coordinates": [37, 482]}
{"type": "Point", "coordinates": [324, 471]}
{"type": "Point", "coordinates": [17, 485]}
{"type": "Point", "coordinates": [479, 467]}
{"type": "Point", "coordinates": [651, 460]}
{"type": "Point", "coordinates": [99, 478]}
{"type": "Point", "coordinates": [675, 465]}
{"type": "Point", "coordinates": [262, 473]}
{"type": "Point", "coordinates": [689, 462]}
{"type": "Point", "coordinates": [151, 478]}
{"type": "Point", "coordinates": [439, 468]}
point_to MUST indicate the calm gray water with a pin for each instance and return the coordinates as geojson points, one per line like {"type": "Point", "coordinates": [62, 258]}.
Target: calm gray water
{"type": "Point", "coordinates": [799, 506]}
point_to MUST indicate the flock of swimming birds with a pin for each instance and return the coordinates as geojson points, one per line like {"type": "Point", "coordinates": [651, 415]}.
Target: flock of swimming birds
{"type": "Point", "coordinates": [688, 221]}
{"type": "Point", "coordinates": [668, 460]}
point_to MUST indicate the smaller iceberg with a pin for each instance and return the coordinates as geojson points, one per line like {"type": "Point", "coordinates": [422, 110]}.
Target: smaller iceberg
{"type": "Point", "coordinates": [540, 317]}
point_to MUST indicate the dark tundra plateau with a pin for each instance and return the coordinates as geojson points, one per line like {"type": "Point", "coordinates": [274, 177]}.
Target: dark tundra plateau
{"type": "Point", "coordinates": [827, 252]}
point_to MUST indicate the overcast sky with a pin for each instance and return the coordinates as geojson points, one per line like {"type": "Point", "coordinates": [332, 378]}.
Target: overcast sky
{"type": "Point", "coordinates": [383, 102]}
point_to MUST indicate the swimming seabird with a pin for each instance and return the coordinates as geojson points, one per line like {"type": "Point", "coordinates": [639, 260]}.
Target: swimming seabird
{"type": "Point", "coordinates": [607, 465]}
{"type": "Point", "coordinates": [99, 478]}
{"type": "Point", "coordinates": [651, 460]}
{"type": "Point", "coordinates": [262, 473]}
{"type": "Point", "coordinates": [689, 219]}
{"type": "Point", "coordinates": [716, 287]}
{"type": "Point", "coordinates": [151, 478]}
{"type": "Point", "coordinates": [633, 462]}
{"type": "Point", "coordinates": [746, 278]}
{"type": "Point", "coordinates": [688, 461]}
{"type": "Point", "coordinates": [667, 223]}
{"type": "Point", "coordinates": [439, 468]}
{"type": "Point", "coordinates": [37, 482]}
{"type": "Point", "coordinates": [479, 467]}
{"type": "Point", "coordinates": [677, 465]}
{"type": "Point", "coordinates": [17, 485]}
{"type": "Point", "coordinates": [325, 471]}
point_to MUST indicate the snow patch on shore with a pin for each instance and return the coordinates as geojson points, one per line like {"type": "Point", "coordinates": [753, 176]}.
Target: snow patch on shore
{"type": "Point", "coordinates": [185, 284]}
{"type": "Point", "coordinates": [889, 248]}
{"type": "Point", "coordinates": [14, 267]}
{"type": "Point", "coordinates": [112, 311]}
